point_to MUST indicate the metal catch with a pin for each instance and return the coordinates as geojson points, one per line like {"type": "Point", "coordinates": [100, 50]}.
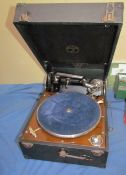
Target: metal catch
{"type": "Point", "coordinates": [27, 145]}
{"type": "Point", "coordinates": [97, 153]}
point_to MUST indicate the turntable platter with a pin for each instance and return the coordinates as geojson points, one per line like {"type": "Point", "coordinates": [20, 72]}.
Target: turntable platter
{"type": "Point", "coordinates": [68, 114]}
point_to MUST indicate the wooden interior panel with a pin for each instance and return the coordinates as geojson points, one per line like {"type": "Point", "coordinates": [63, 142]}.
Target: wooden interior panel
{"type": "Point", "coordinates": [43, 136]}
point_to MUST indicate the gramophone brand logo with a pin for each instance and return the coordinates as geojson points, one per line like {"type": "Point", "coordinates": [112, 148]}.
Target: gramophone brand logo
{"type": "Point", "coordinates": [72, 49]}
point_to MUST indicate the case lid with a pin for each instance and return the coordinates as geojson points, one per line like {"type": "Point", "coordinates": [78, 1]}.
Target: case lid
{"type": "Point", "coordinates": [72, 38]}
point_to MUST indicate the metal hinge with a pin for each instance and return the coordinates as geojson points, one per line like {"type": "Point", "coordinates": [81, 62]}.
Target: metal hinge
{"type": "Point", "coordinates": [109, 13]}
{"type": "Point", "coordinates": [25, 17]}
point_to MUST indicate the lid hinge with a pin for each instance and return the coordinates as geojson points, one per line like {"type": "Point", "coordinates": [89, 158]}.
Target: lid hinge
{"type": "Point", "coordinates": [25, 17]}
{"type": "Point", "coordinates": [109, 13]}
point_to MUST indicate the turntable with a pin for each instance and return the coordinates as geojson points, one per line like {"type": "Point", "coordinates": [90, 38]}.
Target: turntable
{"type": "Point", "coordinates": [69, 122]}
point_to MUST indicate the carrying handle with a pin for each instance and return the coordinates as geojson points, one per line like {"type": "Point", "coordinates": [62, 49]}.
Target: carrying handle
{"type": "Point", "coordinates": [64, 154]}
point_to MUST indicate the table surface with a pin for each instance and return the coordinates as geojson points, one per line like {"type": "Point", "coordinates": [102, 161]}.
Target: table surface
{"type": "Point", "coordinates": [16, 104]}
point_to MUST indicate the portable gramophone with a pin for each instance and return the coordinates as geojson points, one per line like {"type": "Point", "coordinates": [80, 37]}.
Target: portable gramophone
{"type": "Point", "coordinates": [75, 44]}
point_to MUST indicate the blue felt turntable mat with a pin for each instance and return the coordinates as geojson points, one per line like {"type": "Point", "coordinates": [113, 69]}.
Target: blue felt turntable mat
{"type": "Point", "coordinates": [16, 105]}
{"type": "Point", "coordinates": [68, 114]}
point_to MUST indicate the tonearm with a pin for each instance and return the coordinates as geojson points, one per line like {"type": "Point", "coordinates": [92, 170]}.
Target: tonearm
{"type": "Point", "coordinates": [58, 79]}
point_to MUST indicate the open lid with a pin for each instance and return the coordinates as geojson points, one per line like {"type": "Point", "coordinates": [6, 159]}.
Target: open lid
{"type": "Point", "coordinates": [72, 38]}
